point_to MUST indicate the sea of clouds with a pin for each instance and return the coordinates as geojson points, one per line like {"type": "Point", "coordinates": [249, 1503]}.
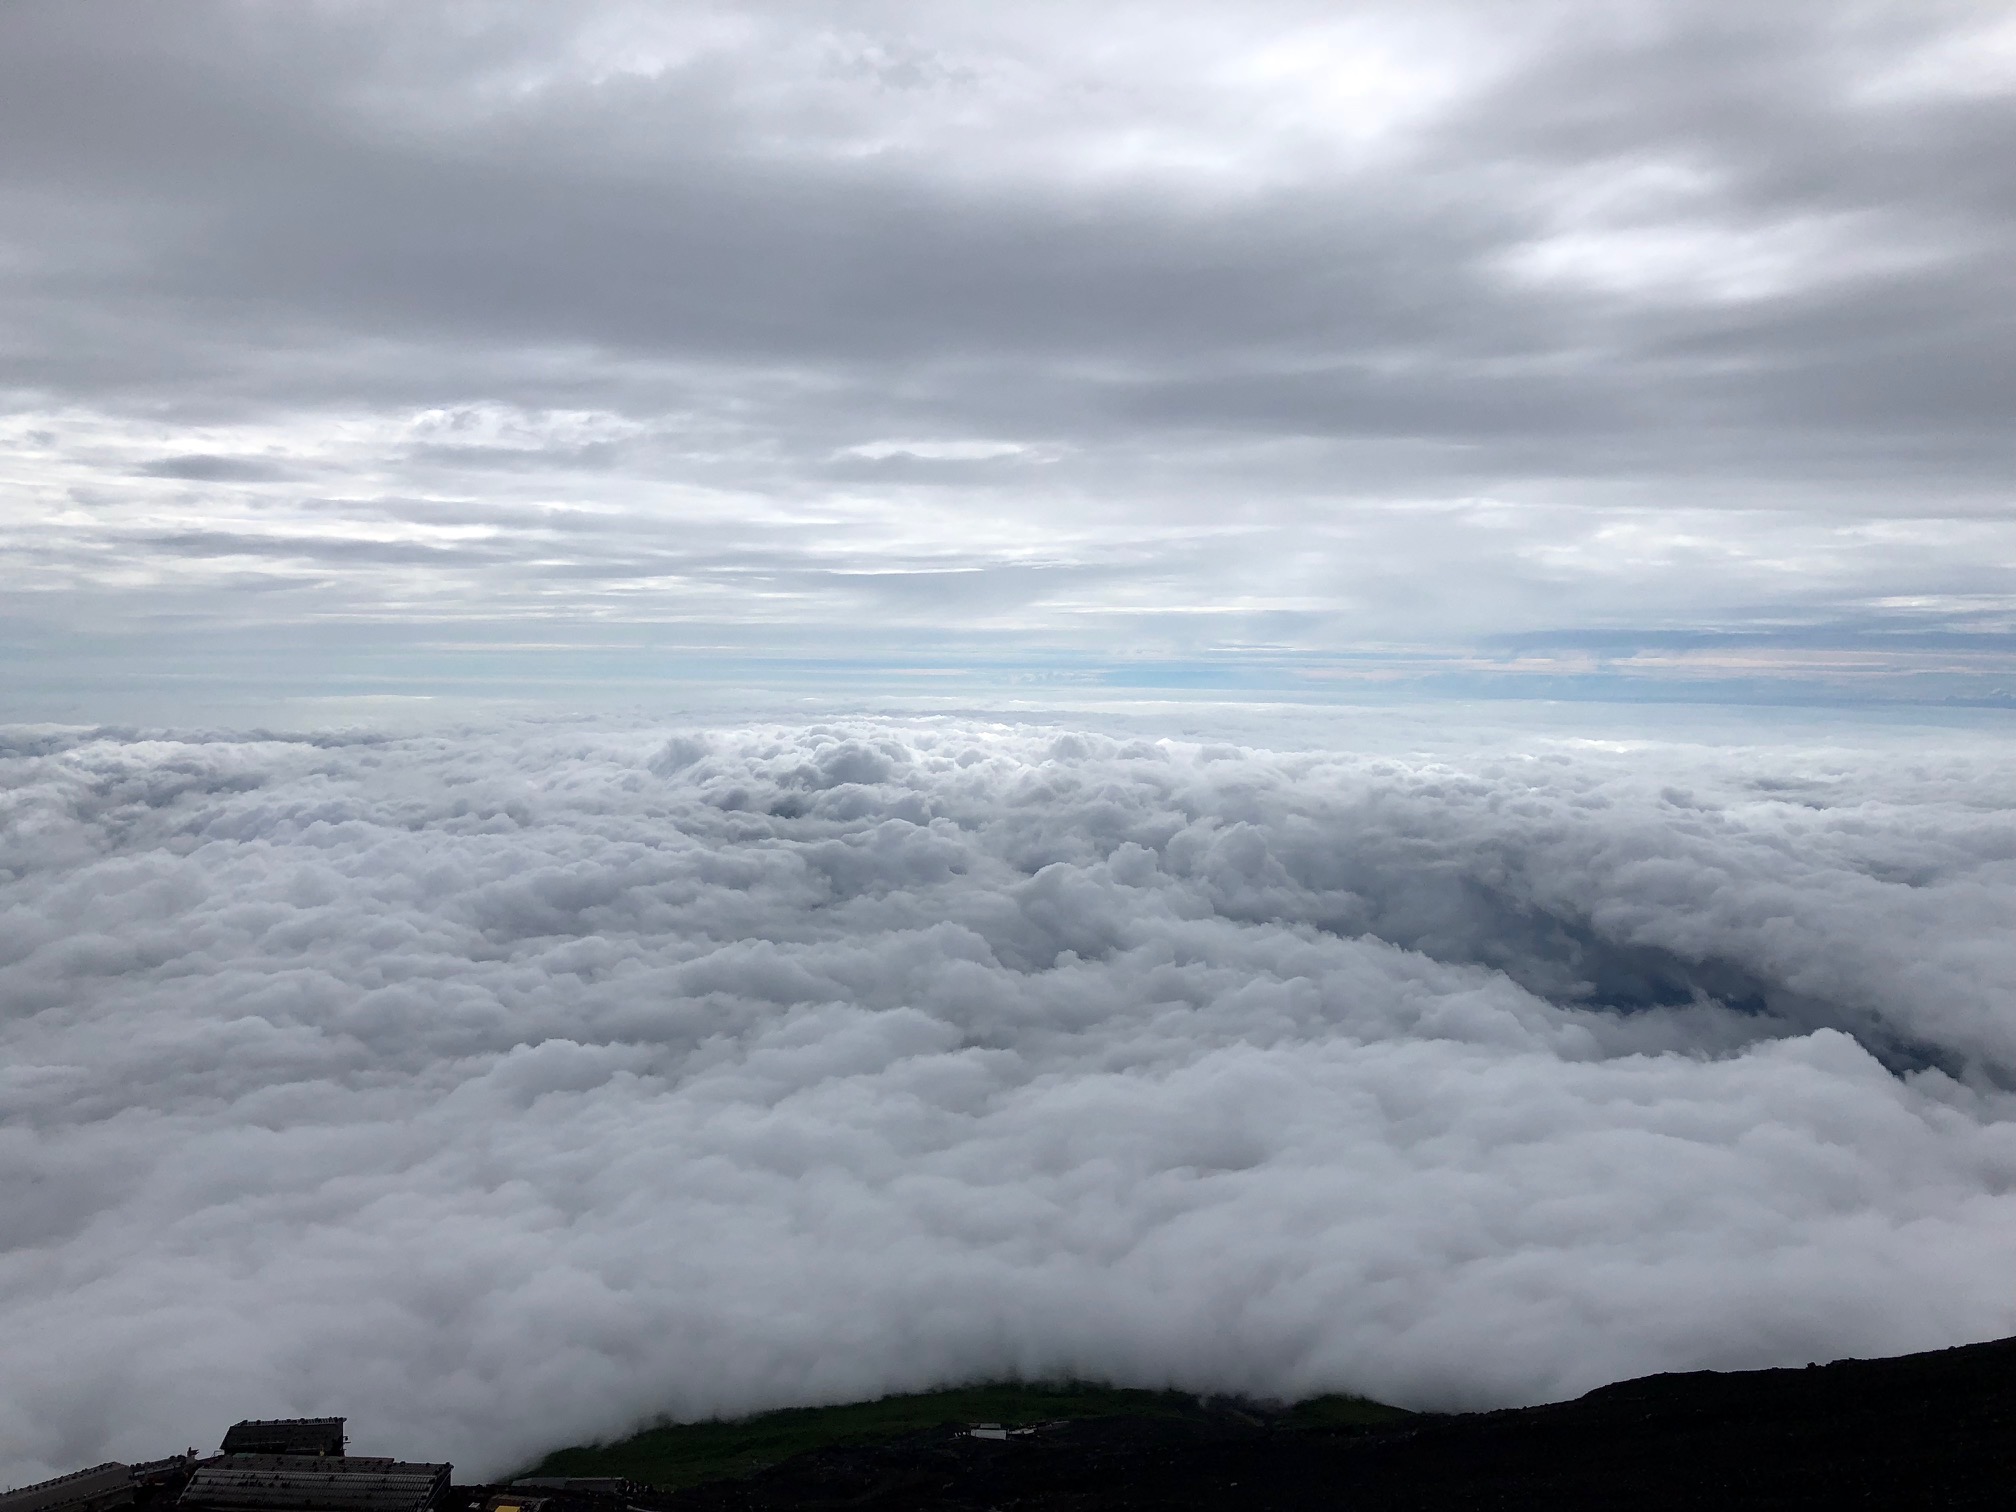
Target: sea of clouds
{"type": "Point", "coordinates": [506, 1088]}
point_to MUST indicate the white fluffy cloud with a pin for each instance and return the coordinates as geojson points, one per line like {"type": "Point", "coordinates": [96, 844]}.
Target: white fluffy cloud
{"type": "Point", "coordinates": [501, 1090]}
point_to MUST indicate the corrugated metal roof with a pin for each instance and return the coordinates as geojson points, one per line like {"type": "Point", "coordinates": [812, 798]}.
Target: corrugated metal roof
{"type": "Point", "coordinates": [104, 1483]}
{"type": "Point", "coordinates": [291, 1483]}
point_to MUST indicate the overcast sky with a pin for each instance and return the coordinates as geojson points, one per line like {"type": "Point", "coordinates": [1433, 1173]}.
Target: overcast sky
{"type": "Point", "coordinates": [379, 348]}
{"type": "Point", "coordinates": [518, 1083]}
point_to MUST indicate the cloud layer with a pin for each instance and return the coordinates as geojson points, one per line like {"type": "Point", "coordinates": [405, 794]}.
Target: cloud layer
{"type": "Point", "coordinates": [504, 1089]}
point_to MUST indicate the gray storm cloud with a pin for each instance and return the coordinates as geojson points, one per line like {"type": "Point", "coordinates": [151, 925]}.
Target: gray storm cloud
{"type": "Point", "coordinates": [507, 1088]}
{"type": "Point", "coordinates": [1414, 330]}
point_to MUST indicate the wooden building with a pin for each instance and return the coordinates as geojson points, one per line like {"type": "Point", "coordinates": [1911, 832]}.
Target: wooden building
{"type": "Point", "coordinates": [319, 1436]}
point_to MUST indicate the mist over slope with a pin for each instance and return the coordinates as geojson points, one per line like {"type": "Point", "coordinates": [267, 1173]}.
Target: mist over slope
{"type": "Point", "coordinates": [503, 1089]}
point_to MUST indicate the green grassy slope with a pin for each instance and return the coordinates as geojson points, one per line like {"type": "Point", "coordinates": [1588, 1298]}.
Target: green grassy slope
{"type": "Point", "coordinates": [683, 1454]}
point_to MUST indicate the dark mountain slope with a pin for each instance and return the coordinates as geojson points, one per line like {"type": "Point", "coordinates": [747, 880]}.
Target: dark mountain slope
{"type": "Point", "coordinates": [683, 1454]}
{"type": "Point", "coordinates": [1930, 1430]}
